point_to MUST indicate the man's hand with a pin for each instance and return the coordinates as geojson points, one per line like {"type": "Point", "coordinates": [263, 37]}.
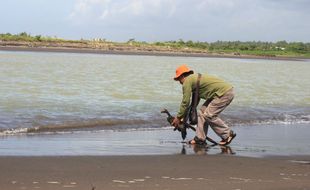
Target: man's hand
{"type": "Point", "coordinates": [176, 122]}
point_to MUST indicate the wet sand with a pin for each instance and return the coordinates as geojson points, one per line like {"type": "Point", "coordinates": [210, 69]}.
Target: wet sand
{"type": "Point", "coordinates": [154, 172]}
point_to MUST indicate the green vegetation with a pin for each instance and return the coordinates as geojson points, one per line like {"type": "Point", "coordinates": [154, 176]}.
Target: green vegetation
{"type": "Point", "coordinates": [280, 48]}
{"type": "Point", "coordinates": [21, 37]}
{"type": "Point", "coordinates": [24, 37]}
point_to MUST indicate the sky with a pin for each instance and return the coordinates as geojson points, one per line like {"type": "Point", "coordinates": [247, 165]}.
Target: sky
{"type": "Point", "coordinates": [159, 20]}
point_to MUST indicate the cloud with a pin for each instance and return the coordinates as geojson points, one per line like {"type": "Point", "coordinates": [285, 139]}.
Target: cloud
{"type": "Point", "coordinates": [208, 20]}
{"type": "Point", "coordinates": [85, 10]}
{"type": "Point", "coordinates": [106, 10]}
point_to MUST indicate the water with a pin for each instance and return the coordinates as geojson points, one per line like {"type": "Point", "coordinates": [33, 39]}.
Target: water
{"type": "Point", "coordinates": [79, 93]}
{"type": "Point", "coordinates": [253, 141]}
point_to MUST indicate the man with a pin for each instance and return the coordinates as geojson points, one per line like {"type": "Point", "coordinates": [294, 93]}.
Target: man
{"type": "Point", "coordinates": [218, 95]}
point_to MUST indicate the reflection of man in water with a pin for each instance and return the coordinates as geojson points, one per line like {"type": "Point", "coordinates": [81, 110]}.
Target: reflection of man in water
{"type": "Point", "coordinates": [202, 150]}
{"type": "Point", "coordinates": [218, 95]}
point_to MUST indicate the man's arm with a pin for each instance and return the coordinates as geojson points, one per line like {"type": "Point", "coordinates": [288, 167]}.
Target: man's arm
{"type": "Point", "coordinates": [187, 93]}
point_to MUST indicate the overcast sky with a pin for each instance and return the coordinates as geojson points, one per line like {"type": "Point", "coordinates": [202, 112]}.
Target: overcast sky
{"type": "Point", "coordinates": [160, 20]}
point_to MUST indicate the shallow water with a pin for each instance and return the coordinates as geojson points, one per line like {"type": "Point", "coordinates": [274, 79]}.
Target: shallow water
{"type": "Point", "coordinates": [251, 141]}
{"type": "Point", "coordinates": [72, 104]}
{"type": "Point", "coordinates": [73, 91]}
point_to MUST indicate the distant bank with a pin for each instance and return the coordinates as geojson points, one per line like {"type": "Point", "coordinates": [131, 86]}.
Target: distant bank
{"type": "Point", "coordinates": [128, 51]}
{"type": "Point", "coordinates": [255, 50]}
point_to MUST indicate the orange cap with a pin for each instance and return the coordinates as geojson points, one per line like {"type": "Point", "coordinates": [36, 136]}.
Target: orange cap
{"type": "Point", "coordinates": [181, 70]}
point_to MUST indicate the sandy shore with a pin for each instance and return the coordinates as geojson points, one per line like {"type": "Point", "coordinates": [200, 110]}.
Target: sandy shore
{"type": "Point", "coordinates": [154, 172]}
{"type": "Point", "coordinates": [141, 52]}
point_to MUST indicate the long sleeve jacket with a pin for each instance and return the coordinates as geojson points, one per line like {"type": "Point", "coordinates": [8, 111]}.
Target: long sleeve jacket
{"type": "Point", "coordinates": [209, 88]}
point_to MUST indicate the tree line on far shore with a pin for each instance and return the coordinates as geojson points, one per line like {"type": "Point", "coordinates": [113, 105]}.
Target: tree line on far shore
{"type": "Point", "coordinates": [280, 47]}
{"type": "Point", "coordinates": [236, 47]}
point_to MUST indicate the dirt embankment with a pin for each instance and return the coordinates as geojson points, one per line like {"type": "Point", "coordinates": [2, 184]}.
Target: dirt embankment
{"type": "Point", "coordinates": [103, 47]}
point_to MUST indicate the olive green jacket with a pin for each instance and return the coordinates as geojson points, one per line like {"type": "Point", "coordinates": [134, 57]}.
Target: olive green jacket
{"type": "Point", "coordinates": [209, 88]}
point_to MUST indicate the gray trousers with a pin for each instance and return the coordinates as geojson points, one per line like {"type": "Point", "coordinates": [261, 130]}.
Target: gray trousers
{"type": "Point", "coordinates": [208, 115]}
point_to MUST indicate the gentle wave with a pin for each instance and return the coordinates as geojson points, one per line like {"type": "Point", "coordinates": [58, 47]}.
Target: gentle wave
{"type": "Point", "coordinates": [157, 122]}
{"type": "Point", "coordinates": [101, 124]}
{"type": "Point", "coordinates": [268, 115]}
{"type": "Point", "coordinates": [286, 119]}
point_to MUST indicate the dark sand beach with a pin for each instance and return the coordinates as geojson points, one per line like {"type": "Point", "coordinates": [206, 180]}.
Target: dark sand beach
{"type": "Point", "coordinates": [154, 172]}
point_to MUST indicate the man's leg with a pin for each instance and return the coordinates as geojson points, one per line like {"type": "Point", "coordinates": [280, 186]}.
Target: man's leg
{"type": "Point", "coordinates": [214, 108]}
{"type": "Point", "coordinates": [202, 125]}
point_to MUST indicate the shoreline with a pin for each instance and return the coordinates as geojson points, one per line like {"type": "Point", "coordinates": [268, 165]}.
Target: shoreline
{"type": "Point", "coordinates": [154, 172]}
{"type": "Point", "coordinates": [142, 53]}
{"type": "Point", "coordinates": [274, 140]}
